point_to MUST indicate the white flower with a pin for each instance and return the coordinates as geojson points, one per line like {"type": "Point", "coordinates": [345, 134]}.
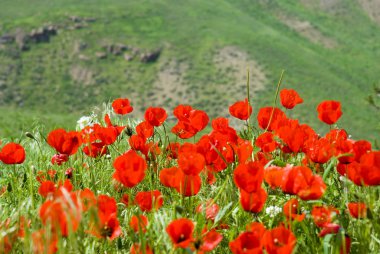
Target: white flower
{"type": "Point", "coordinates": [273, 210]}
{"type": "Point", "coordinates": [86, 121]}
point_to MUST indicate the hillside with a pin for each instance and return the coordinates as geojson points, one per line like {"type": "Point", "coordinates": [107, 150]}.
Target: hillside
{"type": "Point", "coordinates": [62, 58]}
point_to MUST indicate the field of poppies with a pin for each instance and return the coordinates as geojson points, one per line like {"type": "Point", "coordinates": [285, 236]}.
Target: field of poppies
{"type": "Point", "coordinates": [118, 186]}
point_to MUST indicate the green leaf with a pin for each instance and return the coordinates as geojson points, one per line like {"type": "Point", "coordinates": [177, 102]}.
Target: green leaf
{"type": "Point", "coordinates": [222, 212]}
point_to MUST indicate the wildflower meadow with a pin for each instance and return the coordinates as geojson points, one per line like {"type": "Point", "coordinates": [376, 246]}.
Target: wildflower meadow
{"type": "Point", "coordinates": [117, 185]}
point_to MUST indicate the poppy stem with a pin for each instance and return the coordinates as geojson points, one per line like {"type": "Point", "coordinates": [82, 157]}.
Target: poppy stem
{"type": "Point", "coordinates": [248, 98]}
{"type": "Point", "coordinates": [275, 99]}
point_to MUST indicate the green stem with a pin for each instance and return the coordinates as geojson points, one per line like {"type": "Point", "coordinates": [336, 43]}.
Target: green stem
{"type": "Point", "coordinates": [275, 99]}
{"type": "Point", "coordinates": [249, 99]}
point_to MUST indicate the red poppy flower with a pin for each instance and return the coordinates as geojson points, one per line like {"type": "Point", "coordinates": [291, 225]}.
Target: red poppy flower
{"type": "Point", "coordinates": [253, 202]}
{"type": "Point", "coordinates": [106, 207]}
{"type": "Point", "coordinates": [155, 116]}
{"type": "Point", "coordinates": [109, 229]}
{"type": "Point", "coordinates": [106, 135]}
{"type": "Point", "coordinates": [346, 245]}
{"type": "Point", "coordinates": [189, 185]}
{"type": "Point", "coordinates": [180, 232]}
{"type": "Point", "coordinates": [222, 134]}
{"type": "Point", "coordinates": [61, 214]}
{"type": "Point", "coordinates": [151, 150]}
{"type": "Point", "coordinates": [266, 121]}
{"type": "Point", "coordinates": [208, 241]}
{"type": "Point", "coordinates": [370, 168]}
{"type": "Point", "coordinates": [249, 176]}
{"type": "Point", "coordinates": [46, 188]}
{"type": "Point", "coordinates": [12, 153]}
{"type": "Point", "coordinates": [291, 210]}
{"type": "Point", "coordinates": [44, 243]}
{"type": "Point", "coordinates": [59, 159]}
{"type": "Point", "coordinates": [122, 106]}
{"type": "Point", "coordinates": [137, 249]}
{"type": "Point", "coordinates": [173, 149]}
{"type": "Point", "coordinates": [125, 199]}
{"type": "Point", "coordinates": [344, 151]}
{"type": "Point", "coordinates": [138, 223]}
{"type": "Point", "coordinates": [329, 112]}
{"type": "Point", "coordinates": [210, 209]}
{"type": "Point", "coordinates": [329, 228]}
{"type": "Point", "coordinates": [246, 242]}
{"type": "Point", "coordinates": [95, 150]}
{"type": "Point", "coordinates": [360, 148]}
{"type": "Point", "coordinates": [300, 180]}
{"type": "Point", "coordinates": [198, 120]}
{"type": "Point", "coordinates": [149, 200]}
{"type": "Point", "coordinates": [183, 112]}
{"type": "Point", "coordinates": [64, 142]}
{"type": "Point", "coordinates": [319, 151]}
{"type": "Point", "coordinates": [257, 228]}
{"type": "Point", "coordinates": [290, 98]}
{"type": "Point", "coordinates": [137, 142]}
{"type": "Point", "coordinates": [87, 198]}
{"type": "Point", "coordinates": [129, 169]}
{"type": "Point", "coordinates": [323, 215]}
{"type": "Point", "coordinates": [266, 142]}
{"type": "Point", "coordinates": [353, 171]}
{"type": "Point", "coordinates": [279, 240]}
{"type": "Point", "coordinates": [107, 224]}
{"type": "Point", "coordinates": [171, 177]}
{"type": "Point", "coordinates": [191, 163]}
{"type": "Point", "coordinates": [293, 135]}
{"type": "Point", "coordinates": [191, 121]}
{"type": "Point", "coordinates": [243, 150]}
{"type": "Point", "coordinates": [357, 210]}
{"type": "Point", "coordinates": [241, 110]}
{"type": "Point", "coordinates": [144, 130]}
{"type": "Point", "coordinates": [273, 175]}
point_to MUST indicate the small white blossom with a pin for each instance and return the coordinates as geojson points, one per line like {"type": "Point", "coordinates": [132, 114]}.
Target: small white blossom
{"type": "Point", "coordinates": [273, 210]}
{"type": "Point", "coordinates": [85, 121]}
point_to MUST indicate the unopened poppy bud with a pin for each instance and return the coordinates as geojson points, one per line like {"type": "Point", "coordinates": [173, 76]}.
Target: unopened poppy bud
{"type": "Point", "coordinates": [129, 131]}
{"type": "Point", "coordinates": [179, 209]}
{"type": "Point", "coordinates": [29, 135]}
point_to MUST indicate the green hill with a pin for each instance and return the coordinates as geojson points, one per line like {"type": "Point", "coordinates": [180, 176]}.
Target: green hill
{"type": "Point", "coordinates": [62, 58]}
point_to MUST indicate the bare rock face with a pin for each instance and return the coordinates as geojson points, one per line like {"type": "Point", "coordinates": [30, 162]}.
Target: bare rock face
{"type": "Point", "coordinates": [77, 19]}
{"type": "Point", "coordinates": [101, 55]}
{"type": "Point", "coordinates": [83, 57]}
{"type": "Point", "coordinates": [128, 57]}
{"type": "Point", "coordinates": [150, 57]}
{"type": "Point", "coordinates": [22, 39]}
{"type": "Point", "coordinates": [42, 34]}
{"type": "Point", "coordinates": [115, 49]}
{"type": "Point", "coordinates": [7, 39]}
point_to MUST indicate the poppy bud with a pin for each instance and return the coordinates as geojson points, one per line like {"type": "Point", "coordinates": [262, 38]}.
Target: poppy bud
{"type": "Point", "coordinates": [179, 209]}
{"type": "Point", "coordinates": [30, 135]}
{"type": "Point", "coordinates": [128, 130]}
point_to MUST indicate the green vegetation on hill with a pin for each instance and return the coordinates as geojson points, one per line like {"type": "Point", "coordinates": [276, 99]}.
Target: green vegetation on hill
{"type": "Point", "coordinates": [328, 53]}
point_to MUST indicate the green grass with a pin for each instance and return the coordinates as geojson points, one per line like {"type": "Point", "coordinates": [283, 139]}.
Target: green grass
{"type": "Point", "coordinates": [192, 32]}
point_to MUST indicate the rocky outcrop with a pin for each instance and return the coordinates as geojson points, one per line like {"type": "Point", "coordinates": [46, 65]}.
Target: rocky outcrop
{"type": "Point", "coordinates": [115, 49]}
{"type": "Point", "coordinates": [42, 34]}
{"type": "Point", "coordinates": [7, 38]}
{"type": "Point", "coordinates": [149, 57]}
